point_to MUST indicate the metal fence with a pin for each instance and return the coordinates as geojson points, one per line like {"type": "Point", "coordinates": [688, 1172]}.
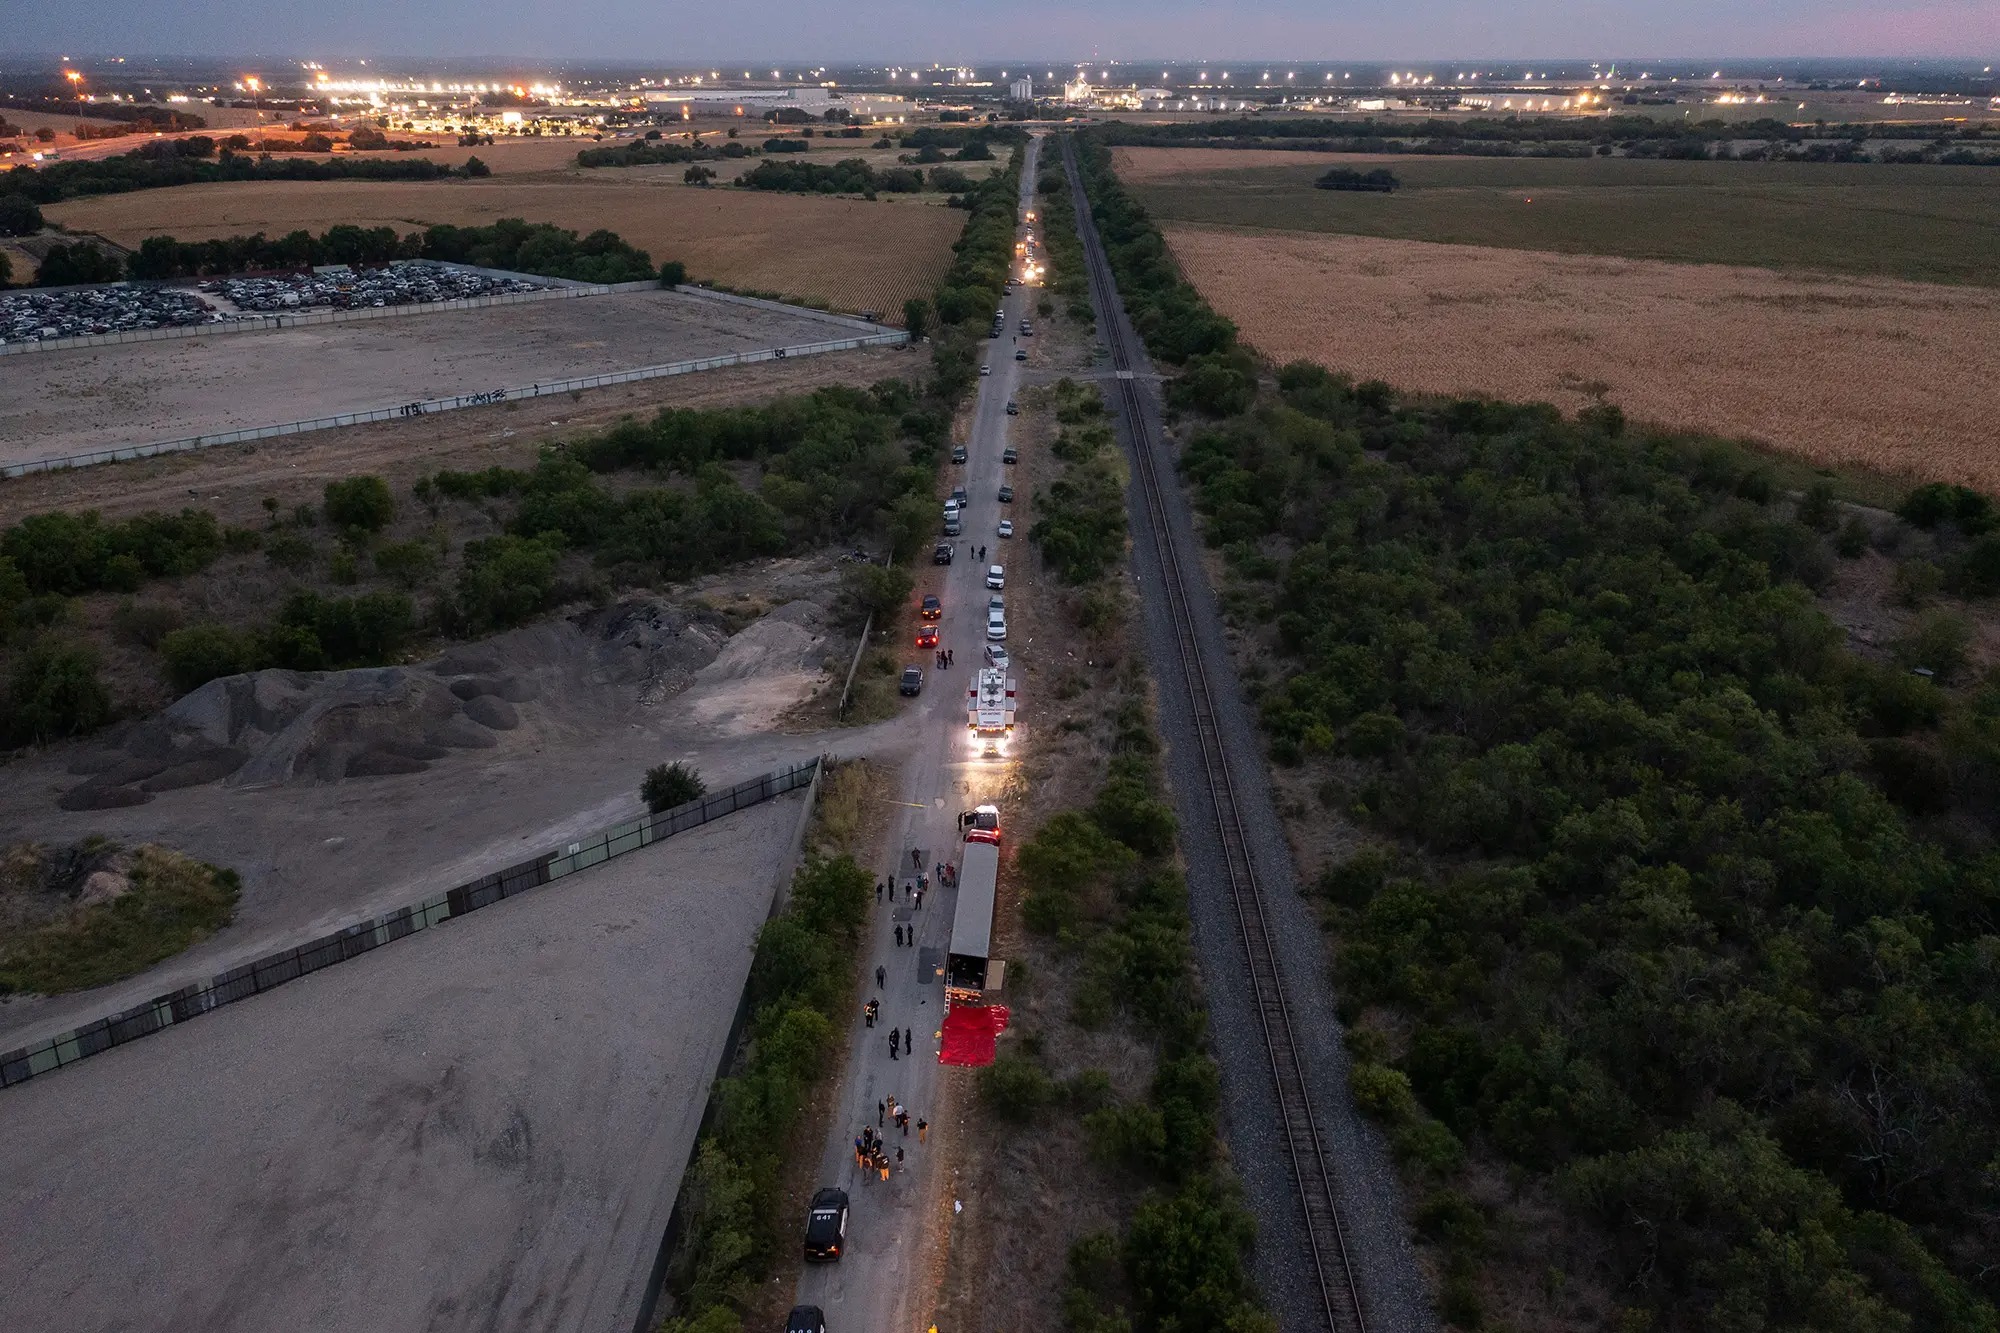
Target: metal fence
{"type": "Point", "coordinates": [273, 970]}
{"type": "Point", "coordinates": [428, 406]}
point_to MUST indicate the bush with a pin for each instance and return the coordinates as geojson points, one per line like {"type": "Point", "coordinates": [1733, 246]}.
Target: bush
{"type": "Point", "coordinates": [200, 653]}
{"type": "Point", "coordinates": [19, 215]}
{"type": "Point", "coordinates": [1930, 505]}
{"type": "Point", "coordinates": [54, 691]}
{"type": "Point", "coordinates": [881, 591]}
{"type": "Point", "coordinates": [507, 579]}
{"type": "Point", "coordinates": [670, 785]}
{"type": "Point", "coordinates": [1016, 1087]}
{"type": "Point", "coordinates": [289, 552]}
{"type": "Point", "coordinates": [174, 902]}
{"type": "Point", "coordinates": [1938, 641]}
{"type": "Point", "coordinates": [144, 623]}
{"type": "Point", "coordinates": [359, 503]}
{"type": "Point", "coordinates": [411, 563]}
{"type": "Point", "coordinates": [1852, 540]}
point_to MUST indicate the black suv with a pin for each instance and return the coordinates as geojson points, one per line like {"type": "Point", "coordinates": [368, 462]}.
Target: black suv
{"type": "Point", "coordinates": [826, 1224]}
{"type": "Point", "coordinates": [1006, 495]}
{"type": "Point", "coordinates": [958, 453]}
{"type": "Point", "coordinates": [1011, 455]}
{"type": "Point", "coordinates": [805, 1319]}
{"type": "Point", "coordinates": [942, 555]}
{"type": "Point", "coordinates": [912, 684]}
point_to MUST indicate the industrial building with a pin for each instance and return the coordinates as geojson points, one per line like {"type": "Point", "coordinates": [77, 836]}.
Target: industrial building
{"type": "Point", "coordinates": [755, 102]}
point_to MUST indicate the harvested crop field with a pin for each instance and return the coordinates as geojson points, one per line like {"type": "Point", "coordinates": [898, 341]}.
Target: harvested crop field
{"type": "Point", "coordinates": [1921, 223]}
{"type": "Point", "coordinates": [850, 254]}
{"type": "Point", "coordinates": [1893, 376]}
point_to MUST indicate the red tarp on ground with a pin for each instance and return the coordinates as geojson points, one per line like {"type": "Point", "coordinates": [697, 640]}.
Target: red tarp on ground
{"type": "Point", "coordinates": [969, 1033]}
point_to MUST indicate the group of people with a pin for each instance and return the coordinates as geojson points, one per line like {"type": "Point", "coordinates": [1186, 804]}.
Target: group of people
{"type": "Point", "coordinates": [871, 1147]}
{"type": "Point", "coordinates": [944, 658]}
{"type": "Point", "coordinates": [947, 874]}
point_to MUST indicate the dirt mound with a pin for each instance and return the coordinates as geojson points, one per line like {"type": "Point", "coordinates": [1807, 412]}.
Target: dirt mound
{"type": "Point", "coordinates": [269, 728]}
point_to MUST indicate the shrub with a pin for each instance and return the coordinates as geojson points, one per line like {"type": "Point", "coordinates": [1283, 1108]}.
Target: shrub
{"type": "Point", "coordinates": [1937, 502]}
{"type": "Point", "coordinates": [145, 623]}
{"type": "Point", "coordinates": [362, 503]}
{"type": "Point", "coordinates": [411, 563]}
{"type": "Point", "coordinates": [1939, 641]}
{"type": "Point", "coordinates": [19, 216]}
{"type": "Point", "coordinates": [507, 579]}
{"type": "Point", "coordinates": [173, 902]}
{"type": "Point", "coordinates": [1016, 1087]}
{"type": "Point", "coordinates": [669, 785]}
{"type": "Point", "coordinates": [1852, 540]}
{"type": "Point", "coordinates": [881, 591]}
{"type": "Point", "coordinates": [289, 552]}
{"type": "Point", "coordinates": [200, 653]}
{"type": "Point", "coordinates": [1382, 1092]}
{"type": "Point", "coordinates": [54, 691]}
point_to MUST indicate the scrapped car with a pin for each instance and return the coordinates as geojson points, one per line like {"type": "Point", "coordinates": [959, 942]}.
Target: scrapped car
{"type": "Point", "coordinates": [826, 1226]}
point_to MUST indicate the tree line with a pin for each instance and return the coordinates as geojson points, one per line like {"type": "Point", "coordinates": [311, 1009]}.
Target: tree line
{"type": "Point", "coordinates": [1518, 129]}
{"type": "Point", "coordinates": [851, 176]}
{"type": "Point", "coordinates": [195, 160]}
{"type": "Point", "coordinates": [1670, 906]}
{"type": "Point", "coordinates": [512, 244]}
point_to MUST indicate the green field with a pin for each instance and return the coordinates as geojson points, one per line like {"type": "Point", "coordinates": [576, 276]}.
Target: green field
{"type": "Point", "coordinates": [1926, 223]}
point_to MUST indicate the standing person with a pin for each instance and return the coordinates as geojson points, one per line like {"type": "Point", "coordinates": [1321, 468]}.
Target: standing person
{"type": "Point", "coordinates": [880, 1110]}
{"type": "Point", "coordinates": [909, 1043]}
{"type": "Point", "coordinates": [899, 937]}
{"type": "Point", "coordinates": [903, 1121]}
{"type": "Point", "coordinates": [881, 977]}
{"type": "Point", "coordinates": [923, 1128]}
{"type": "Point", "coordinates": [878, 890]}
{"type": "Point", "coordinates": [895, 1040]}
{"type": "Point", "coordinates": [920, 896]}
{"type": "Point", "coordinates": [916, 857]}
{"type": "Point", "coordinates": [899, 1159]}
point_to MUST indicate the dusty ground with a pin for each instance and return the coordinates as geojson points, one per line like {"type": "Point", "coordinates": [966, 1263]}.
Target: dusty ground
{"type": "Point", "coordinates": [1892, 376]}
{"type": "Point", "coordinates": [596, 699]}
{"type": "Point", "coordinates": [480, 1127]}
{"type": "Point", "coordinates": [73, 401]}
{"type": "Point", "coordinates": [852, 254]}
{"type": "Point", "coordinates": [232, 480]}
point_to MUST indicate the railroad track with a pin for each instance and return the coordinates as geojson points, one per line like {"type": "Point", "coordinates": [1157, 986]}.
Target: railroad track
{"type": "Point", "coordinates": [1312, 1171]}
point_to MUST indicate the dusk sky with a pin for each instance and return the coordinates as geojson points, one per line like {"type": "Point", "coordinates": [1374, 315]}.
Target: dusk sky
{"type": "Point", "coordinates": [793, 30]}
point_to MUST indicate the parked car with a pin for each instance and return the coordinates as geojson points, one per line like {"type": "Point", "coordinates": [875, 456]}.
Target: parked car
{"type": "Point", "coordinates": [1027, 329]}
{"type": "Point", "coordinates": [941, 555]}
{"type": "Point", "coordinates": [1006, 495]}
{"type": "Point", "coordinates": [1013, 409]}
{"type": "Point", "coordinates": [958, 496]}
{"type": "Point", "coordinates": [826, 1222]}
{"type": "Point", "coordinates": [958, 453]}
{"type": "Point", "coordinates": [997, 602]}
{"type": "Point", "coordinates": [932, 608]}
{"type": "Point", "coordinates": [1020, 354]}
{"type": "Point", "coordinates": [912, 684]}
{"type": "Point", "coordinates": [996, 625]}
{"type": "Point", "coordinates": [1006, 527]}
{"type": "Point", "coordinates": [986, 369]}
{"type": "Point", "coordinates": [927, 635]}
{"type": "Point", "coordinates": [996, 577]}
{"type": "Point", "coordinates": [805, 1319]}
{"type": "Point", "coordinates": [996, 656]}
{"type": "Point", "coordinates": [1010, 455]}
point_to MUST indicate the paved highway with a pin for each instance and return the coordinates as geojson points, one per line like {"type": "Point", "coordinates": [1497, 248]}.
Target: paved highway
{"type": "Point", "coordinates": [897, 1231]}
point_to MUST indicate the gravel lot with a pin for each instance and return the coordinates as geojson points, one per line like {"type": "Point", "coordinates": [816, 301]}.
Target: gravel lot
{"type": "Point", "coordinates": [69, 402]}
{"type": "Point", "coordinates": [480, 1127]}
{"type": "Point", "coordinates": [1393, 1290]}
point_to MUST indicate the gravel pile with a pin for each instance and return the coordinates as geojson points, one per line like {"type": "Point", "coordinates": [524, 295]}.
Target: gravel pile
{"type": "Point", "coordinates": [32, 316]}
{"type": "Point", "coordinates": [412, 282]}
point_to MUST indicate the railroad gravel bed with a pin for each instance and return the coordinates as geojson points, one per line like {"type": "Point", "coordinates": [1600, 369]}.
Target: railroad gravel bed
{"type": "Point", "coordinates": [1394, 1292]}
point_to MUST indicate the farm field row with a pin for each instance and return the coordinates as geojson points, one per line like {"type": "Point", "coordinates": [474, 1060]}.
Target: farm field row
{"type": "Point", "coordinates": [1923, 223]}
{"type": "Point", "coordinates": [846, 253]}
{"type": "Point", "coordinates": [1893, 376]}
